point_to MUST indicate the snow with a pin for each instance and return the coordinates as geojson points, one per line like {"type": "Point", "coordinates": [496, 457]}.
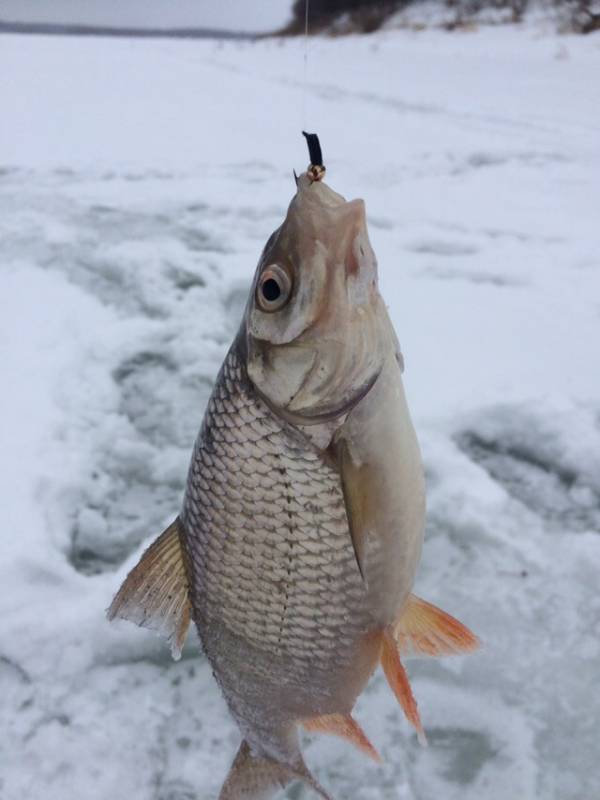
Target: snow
{"type": "Point", "coordinates": [138, 182]}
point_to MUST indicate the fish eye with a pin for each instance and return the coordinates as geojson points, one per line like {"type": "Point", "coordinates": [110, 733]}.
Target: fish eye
{"type": "Point", "coordinates": [274, 288]}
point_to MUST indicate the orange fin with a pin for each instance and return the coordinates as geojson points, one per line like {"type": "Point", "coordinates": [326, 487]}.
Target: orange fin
{"type": "Point", "coordinates": [399, 683]}
{"type": "Point", "coordinates": [347, 727]}
{"type": "Point", "coordinates": [425, 630]}
{"type": "Point", "coordinates": [155, 593]}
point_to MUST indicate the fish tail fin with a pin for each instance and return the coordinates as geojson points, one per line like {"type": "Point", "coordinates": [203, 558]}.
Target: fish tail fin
{"type": "Point", "coordinates": [256, 777]}
{"type": "Point", "coordinates": [399, 683]}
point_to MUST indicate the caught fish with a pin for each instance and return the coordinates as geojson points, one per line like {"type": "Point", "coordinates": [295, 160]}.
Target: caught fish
{"type": "Point", "coordinates": [302, 522]}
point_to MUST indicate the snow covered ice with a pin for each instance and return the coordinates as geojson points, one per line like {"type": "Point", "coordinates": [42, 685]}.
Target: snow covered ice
{"type": "Point", "coordinates": [138, 183]}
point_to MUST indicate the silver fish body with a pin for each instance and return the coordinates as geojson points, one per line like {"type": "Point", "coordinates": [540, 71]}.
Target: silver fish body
{"type": "Point", "coordinates": [280, 606]}
{"type": "Point", "coordinates": [302, 522]}
{"type": "Point", "coordinates": [285, 618]}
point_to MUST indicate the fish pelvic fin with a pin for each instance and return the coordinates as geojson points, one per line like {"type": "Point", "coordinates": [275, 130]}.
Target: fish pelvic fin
{"type": "Point", "coordinates": [347, 727]}
{"type": "Point", "coordinates": [399, 683]}
{"type": "Point", "coordinates": [155, 593]}
{"type": "Point", "coordinates": [425, 630]}
{"type": "Point", "coordinates": [254, 777]}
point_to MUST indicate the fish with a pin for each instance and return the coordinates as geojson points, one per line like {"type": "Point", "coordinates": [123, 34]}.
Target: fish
{"type": "Point", "coordinates": [302, 523]}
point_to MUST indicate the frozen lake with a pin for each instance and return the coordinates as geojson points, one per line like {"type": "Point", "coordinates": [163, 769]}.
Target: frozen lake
{"type": "Point", "coordinates": [139, 181]}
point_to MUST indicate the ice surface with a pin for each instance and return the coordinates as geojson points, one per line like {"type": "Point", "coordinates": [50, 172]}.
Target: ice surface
{"type": "Point", "coordinates": [138, 183]}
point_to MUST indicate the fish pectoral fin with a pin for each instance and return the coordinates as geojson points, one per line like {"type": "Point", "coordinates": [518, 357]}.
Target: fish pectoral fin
{"type": "Point", "coordinates": [425, 630]}
{"type": "Point", "coordinates": [399, 683]}
{"type": "Point", "coordinates": [254, 777]}
{"type": "Point", "coordinates": [155, 593]}
{"type": "Point", "coordinates": [355, 488]}
{"type": "Point", "coordinates": [347, 727]}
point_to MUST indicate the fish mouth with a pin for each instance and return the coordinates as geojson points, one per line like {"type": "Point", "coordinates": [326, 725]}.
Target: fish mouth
{"type": "Point", "coordinates": [317, 417]}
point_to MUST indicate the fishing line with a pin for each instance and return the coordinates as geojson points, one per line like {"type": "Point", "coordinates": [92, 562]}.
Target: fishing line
{"type": "Point", "coordinates": [305, 86]}
{"type": "Point", "coordinates": [316, 169]}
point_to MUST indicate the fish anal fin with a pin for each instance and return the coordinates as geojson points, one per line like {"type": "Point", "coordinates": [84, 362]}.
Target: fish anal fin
{"type": "Point", "coordinates": [155, 593]}
{"type": "Point", "coordinates": [254, 777]}
{"type": "Point", "coordinates": [399, 683]}
{"type": "Point", "coordinates": [347, 727]}
{"type": "Point", "coordinates": [425, 630]}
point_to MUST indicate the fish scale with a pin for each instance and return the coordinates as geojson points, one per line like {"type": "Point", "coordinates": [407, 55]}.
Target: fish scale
{"type": "Point", "coordinates": [273, 563]}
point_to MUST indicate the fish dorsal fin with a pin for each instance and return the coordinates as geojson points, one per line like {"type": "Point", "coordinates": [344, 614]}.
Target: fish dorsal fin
{"type": "Point", "coordinates": [155, 593]}
{"type": "Point", "coordinates": [399, 683]}
{"type": "Point", "coordinates": [347, 727]}
{"type": "Point", "coordinates": [425, 630]}
{"type": "Point", "coordinates": [254, 777]}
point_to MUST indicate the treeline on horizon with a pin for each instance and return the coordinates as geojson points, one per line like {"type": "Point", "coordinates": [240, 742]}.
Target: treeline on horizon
{"type": "Point", "coordinates": [345, 16]}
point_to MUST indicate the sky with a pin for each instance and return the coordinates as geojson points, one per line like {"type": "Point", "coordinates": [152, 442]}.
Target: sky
{"type": "Point", "coordinates": [246, 15]}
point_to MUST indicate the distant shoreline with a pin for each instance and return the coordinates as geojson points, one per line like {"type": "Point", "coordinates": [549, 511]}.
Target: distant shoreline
{"type": "Point", "coordinates": [53, 29]}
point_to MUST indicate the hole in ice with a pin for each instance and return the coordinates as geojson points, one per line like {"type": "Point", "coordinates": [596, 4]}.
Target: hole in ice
{"type": "Point", "coordinates": [553, 490]}
{"type": "Point", "coordinates": [138, 476]}
{"type": "Point", "coordinates": [462, 752]}
{"type": "Point", "coordinates": [176, 790]}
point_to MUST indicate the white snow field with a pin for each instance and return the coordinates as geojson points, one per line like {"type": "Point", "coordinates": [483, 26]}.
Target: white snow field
{"type": "Point", "coordinates": [138, 183]}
